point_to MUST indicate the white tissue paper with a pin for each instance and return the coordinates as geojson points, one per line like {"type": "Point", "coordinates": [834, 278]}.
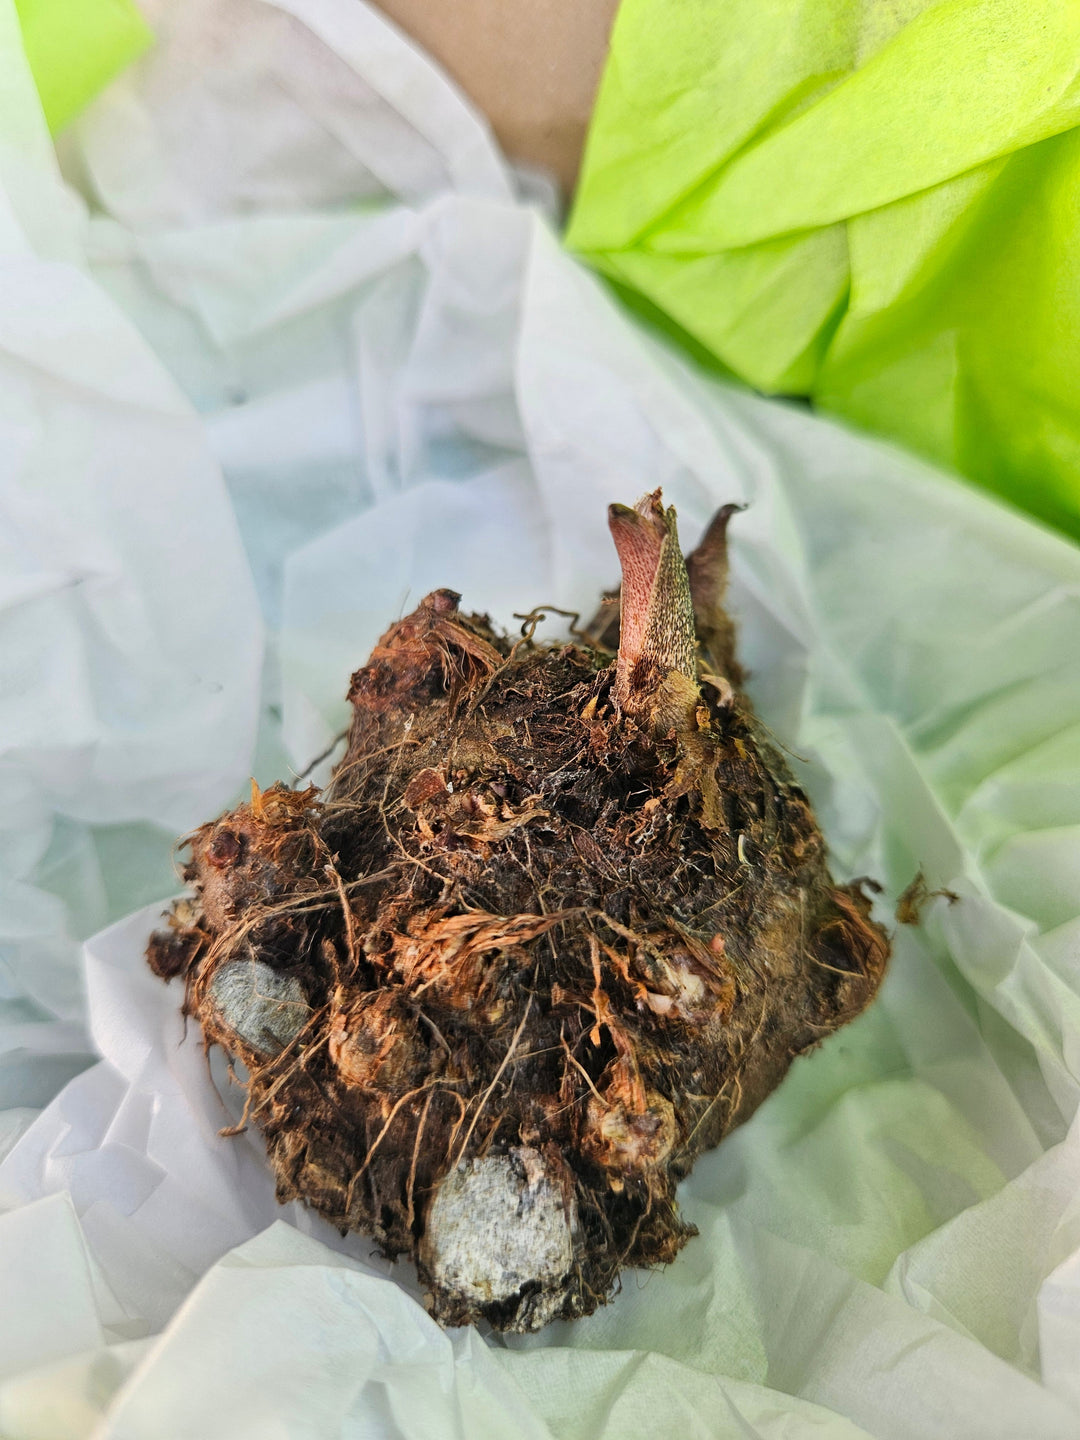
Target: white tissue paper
{"type": "Point", "coordinates": [292, 347]}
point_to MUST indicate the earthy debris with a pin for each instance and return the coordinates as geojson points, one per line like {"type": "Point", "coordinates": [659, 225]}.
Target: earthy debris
{"type": "Point", "coordinates": [913, 901]}
{"type": "Point", "coordinates": [559, 922]}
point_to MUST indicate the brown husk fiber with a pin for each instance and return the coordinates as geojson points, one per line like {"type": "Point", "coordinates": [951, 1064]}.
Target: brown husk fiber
{"type": "Point", "coordinates": [558, 923]}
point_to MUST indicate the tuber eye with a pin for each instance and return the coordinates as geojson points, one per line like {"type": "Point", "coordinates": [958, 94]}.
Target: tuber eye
{"type": "Point", "coordinates": [224, 849]}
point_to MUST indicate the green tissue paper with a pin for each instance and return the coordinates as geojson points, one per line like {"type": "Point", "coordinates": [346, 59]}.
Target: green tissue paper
{"type": "Point", "coordinates": [874, 203]}
{"type": "Point", "coordinates": [75, 47]}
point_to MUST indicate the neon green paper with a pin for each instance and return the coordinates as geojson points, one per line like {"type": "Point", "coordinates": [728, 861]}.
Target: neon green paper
{"type": "Point", "coordinates": [75, 47]}
{"type": "Point", "coordinates": [873, 204]}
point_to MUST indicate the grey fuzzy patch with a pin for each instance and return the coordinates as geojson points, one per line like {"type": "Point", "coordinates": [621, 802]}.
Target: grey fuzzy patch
{"type": "Point", "coordinates": [498, 1224]}
{"type": "Point", "coordinates": [265, 1009]}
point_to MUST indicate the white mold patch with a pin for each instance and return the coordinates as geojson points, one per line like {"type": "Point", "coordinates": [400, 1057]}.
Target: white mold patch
{"type": "Point", "coordinates": [265, 1009]}
{"type": "Point", "coordinates": [500, 1224]}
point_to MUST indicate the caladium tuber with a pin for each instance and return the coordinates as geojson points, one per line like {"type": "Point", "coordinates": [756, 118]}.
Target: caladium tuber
{"type": "Point", "coordinates": [558, 923]}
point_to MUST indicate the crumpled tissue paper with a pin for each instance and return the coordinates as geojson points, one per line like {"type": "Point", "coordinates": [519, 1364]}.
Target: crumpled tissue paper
{"type": "Point", "coordinates": [75, 47]}
{"type": "Point", "coordinates": [312, 350]}
{"type": "Point", "coordinates": [871, 203]}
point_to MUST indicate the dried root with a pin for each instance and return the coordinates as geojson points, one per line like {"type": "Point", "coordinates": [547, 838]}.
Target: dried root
{"type": "Point", "coordinates": [557, 925]}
